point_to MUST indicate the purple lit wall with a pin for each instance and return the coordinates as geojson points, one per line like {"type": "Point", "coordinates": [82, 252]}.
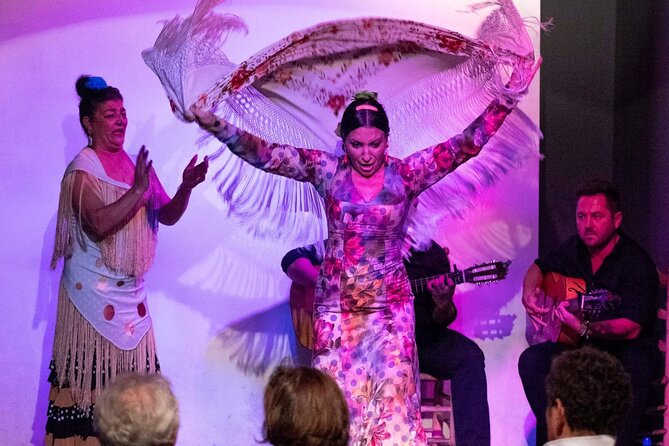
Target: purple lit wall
{"type": "Point", "coordinates": [217, 295]}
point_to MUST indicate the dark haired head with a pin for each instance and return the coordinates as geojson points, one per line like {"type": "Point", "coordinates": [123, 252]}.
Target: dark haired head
{"type": "Point", "coordinates": [597, 187]}
{"type": "Point", "coordinates": [304, 407]}
{"type": "Point", "coordinates": [93, 91]}
{"type": "Point", "coordinates": [593, 388]}
{"type": "Point", "coordinates": [364, 111]}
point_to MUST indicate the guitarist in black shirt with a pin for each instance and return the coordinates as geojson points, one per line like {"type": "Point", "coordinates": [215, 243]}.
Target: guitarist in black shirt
{"type": "Point", "coordinates": [604, 258]}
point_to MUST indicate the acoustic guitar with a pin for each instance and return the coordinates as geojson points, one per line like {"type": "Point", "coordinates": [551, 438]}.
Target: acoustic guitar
{"type": "Point", "coordinates": [302, 296]}
{"type": "Point", "coordinates": [587, 305]}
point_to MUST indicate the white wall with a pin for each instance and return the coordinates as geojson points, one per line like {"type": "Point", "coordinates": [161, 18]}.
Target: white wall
{"type": "Point", "coordinates": [218, 297]}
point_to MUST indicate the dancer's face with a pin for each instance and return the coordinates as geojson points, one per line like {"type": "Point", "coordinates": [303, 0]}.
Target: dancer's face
{"type": "Point", "coordinates": [366, 149]}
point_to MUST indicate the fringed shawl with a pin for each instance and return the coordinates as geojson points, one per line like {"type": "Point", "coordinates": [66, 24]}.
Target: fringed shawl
{"type": "Point", "coordinates": [292, 91]}
{"type": "Point", "coordinates": [131, 249]}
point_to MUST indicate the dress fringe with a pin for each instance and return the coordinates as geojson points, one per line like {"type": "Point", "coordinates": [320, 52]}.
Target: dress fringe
{"type": "Point", "coordinates": [66, 228]}
{"type": "Point", "coordinates": [78, 348]}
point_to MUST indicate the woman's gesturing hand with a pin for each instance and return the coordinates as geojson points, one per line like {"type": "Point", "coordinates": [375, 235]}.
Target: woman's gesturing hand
{"type": "Point", "coordinates": [195, 174]}
{"type": "Point", "coordinates": [142, 170]}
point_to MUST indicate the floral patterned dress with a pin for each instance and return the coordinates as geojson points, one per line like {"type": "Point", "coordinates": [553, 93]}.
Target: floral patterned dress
{"type": "Point", "coordinates": [364, 321]}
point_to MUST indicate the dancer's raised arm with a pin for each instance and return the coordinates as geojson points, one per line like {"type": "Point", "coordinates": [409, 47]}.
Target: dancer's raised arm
{"type": "Point", "coordinates": [297, 163]}
{"type": "Point", "coordinates": [425, 167]}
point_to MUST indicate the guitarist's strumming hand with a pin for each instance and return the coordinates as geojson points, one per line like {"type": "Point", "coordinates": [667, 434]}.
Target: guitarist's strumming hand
{"type": "Point", "coordinates": [531, 299]}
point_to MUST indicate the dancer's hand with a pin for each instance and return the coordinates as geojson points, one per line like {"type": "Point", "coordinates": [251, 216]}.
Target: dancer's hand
{"type": "Point", "coordinates": [205, 118]}
{"type": "Point", "coordinates": [523, 74]}
{"type": "Point", "coordinates": [142, 171]}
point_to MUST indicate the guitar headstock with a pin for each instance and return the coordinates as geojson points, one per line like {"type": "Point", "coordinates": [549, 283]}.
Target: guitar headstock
{"type": "Point", "coordinates": [486, 272]}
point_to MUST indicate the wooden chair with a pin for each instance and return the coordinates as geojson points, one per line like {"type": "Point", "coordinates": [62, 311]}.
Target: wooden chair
{"type": "Point", "coordinates": [436, 410]}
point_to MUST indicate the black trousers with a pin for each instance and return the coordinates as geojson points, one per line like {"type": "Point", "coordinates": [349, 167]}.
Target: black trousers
{"type": "Point", "coordinates": [447, 354]}
{"type": "Point", "coordinates": [638, 357]}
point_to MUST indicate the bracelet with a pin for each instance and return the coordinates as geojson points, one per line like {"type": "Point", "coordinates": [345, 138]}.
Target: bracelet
{"type": "Point", "coordinates": [216, 128]}
{"type": "Point", "coordinates": [232, 139]}
{"type": "Point", "coordinates": [585, 330]}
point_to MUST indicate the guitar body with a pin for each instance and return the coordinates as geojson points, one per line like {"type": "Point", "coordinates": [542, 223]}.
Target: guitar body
{"type": "Point", "coordinates": [557, 288]}
{"type": "Point", "coordinates": [302, 313]}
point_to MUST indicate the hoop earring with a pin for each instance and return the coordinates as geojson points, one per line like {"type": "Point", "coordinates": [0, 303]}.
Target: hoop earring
{"type": "Point", "coordinates": [90, 140]}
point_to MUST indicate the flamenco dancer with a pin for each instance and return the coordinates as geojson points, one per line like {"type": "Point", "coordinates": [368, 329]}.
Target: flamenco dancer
{"type": "Point", "coordinates": [364, 322]}
{"type": "Point", "coordinates": [363, 314]}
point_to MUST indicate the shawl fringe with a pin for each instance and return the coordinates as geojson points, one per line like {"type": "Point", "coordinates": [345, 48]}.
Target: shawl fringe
{"type": "Point", "coordinates": [130, 250]}
{"type": "Point", "coordinates": [66, 230]}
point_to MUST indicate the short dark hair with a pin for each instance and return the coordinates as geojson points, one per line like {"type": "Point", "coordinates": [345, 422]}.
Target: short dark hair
{"type": "Point", "coordinates": [91, 98]}
{"type": "Point", "coordinates": [596, 187]}
{"type": "Point", "coordinates": [357, 115]}
{"type": "Point", "coordinates": [304, 407]}
{"type": "Point", "coordinates": [593, 388]}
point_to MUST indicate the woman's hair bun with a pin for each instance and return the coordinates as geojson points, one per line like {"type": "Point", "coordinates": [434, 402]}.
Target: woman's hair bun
{"type": "Point", "coordinates": [87, 85]}
{"type": "Point", "coordinates": [366, 95]}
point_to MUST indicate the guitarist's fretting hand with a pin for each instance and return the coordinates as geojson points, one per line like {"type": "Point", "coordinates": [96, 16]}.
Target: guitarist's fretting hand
{"type": "Point", "coordinates": [442, 289]}
{"type": "Point", "coordinates": [568, 318]}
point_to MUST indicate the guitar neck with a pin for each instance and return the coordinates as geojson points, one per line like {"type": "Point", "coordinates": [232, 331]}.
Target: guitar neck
{"type": "Point", "coordinates": [420, 285]}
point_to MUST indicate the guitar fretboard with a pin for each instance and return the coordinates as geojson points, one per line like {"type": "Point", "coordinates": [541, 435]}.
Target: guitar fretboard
{"type": "Point", "coordinates": [420, 285]}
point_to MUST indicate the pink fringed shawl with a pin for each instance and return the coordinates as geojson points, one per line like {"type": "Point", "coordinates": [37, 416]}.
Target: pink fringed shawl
{"type": "Point", "coordinates": [442, 81]}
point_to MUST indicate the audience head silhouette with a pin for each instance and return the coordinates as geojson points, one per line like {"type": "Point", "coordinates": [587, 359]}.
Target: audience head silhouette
{"type": "Point", "coordinates": [304, 407]}
{"type": "Point", "coordinates": [137, 410]}
{"type": "Point", "coordinates": [588, 393]}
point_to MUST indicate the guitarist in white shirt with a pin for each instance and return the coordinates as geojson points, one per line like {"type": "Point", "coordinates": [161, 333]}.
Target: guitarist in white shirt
{"type": "Point", "coordinates": [442, 352]}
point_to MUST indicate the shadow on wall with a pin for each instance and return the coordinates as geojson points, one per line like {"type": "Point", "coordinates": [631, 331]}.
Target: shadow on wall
{"type": "Point", "coordinates": [496, 229]}
{"type": "Point", "coordinates": [259, 342]}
